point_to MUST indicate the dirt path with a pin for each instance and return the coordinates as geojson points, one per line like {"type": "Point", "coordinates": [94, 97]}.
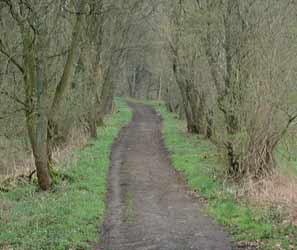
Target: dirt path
{"type": "Point", "coordinates": [149, 208]}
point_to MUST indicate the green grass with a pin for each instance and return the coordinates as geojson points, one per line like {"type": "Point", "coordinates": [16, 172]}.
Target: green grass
{"type": "Point", "coordinates": [69, 216]}
{"type": "Point", "coordinates": [198, 160]}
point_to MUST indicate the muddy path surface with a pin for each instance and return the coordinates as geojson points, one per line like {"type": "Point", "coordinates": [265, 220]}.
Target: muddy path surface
{"type": "Point", "coordinates": [149, 207]}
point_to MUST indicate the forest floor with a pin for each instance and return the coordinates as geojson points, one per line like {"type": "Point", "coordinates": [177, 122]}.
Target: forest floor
{"type": "Point", "coordinates": [149, 203]}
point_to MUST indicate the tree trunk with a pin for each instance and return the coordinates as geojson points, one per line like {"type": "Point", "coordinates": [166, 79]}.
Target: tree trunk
{"type": "Point", "coordinates": [160, 89]}
{"type": "Point", "coordinates": [229, 95]}
{"type": "Point", "coordinates": [106, 96]}
{"type": "Point", "coordinates": [209, 126]}
{"type": "Point", "coordinates": [67, 77]}
{"type": "Point", "coordinates": [40, 149]}
{"type": "Point", "coordinates": [36, 113]}
{"type": "Point", "coordinates": [191, 126]}
{"type": "Point", "coordinates": [93, 128]}
{"type": "Point", "coordinates": [201, 118]}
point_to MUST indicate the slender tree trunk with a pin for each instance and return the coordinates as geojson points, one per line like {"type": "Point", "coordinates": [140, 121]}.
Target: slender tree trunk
{"type": "Point", "coordinates": [93, 124]}
{"type": "Point", "coordinates": [209, 127]}
{"type": "Point", "coordinates": [201, 115]}
{"type": "Point", "coordinates": [185, 97]}
{"type": "Point", "coordinates": [41, 149]}
{"type": "Point", "coordinates": [232, 24]}
{"type": "Point", "coordinates": [160, 89]}
{"type": "Point", "coordinates": [106, 98]}
{"type": "Point", "coordinates": [67, 76]}
{"type": "Point", "coordinates": [36, 113]}
{"type": "Point", "coordinates": [29, 80]}
{"type": "Point", "coordinates": [64, 83]}
{"type": "Point", "coordinates": [229, 94]}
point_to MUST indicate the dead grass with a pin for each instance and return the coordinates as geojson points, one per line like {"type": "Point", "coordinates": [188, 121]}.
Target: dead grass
{"type": "Point", "coordinates": [63, 155]}
{"type": "Point", "coordinates": [12, 169]}
{"type": "Point", "coordinates": [278, 191]}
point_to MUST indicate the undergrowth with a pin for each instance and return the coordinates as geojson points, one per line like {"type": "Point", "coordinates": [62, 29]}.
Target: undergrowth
{"type": "Point", "coordinates": [198, 160]}
{"type": "Point", "coordinates": [66, 218]}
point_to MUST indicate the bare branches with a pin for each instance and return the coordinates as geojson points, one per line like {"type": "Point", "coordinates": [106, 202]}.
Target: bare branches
{"type": "Point", "coordinates": [15, 9]}
{"type": "Point", "coordinates": [10, 58]}
{"type": "Point", "coordinates": [60, 54]}
{"type": "Point", "coordinates": [6, 115]}
{"type": "Point", "coordinates": [14, 97]}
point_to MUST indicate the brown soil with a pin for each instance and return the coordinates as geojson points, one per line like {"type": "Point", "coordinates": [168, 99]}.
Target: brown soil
{"type": "Point", "coordinates": [149, 207]}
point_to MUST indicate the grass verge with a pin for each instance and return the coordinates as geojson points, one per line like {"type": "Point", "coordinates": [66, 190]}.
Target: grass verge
{"type": "Point", "coordinates": [198, 160]}
{"type": "Point", "coordinates": [67, 217]}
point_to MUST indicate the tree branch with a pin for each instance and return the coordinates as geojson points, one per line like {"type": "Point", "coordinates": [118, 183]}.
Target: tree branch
{"type": "Point", "coordinates": [10, 58]}
{"type": "Point", "coordinates": [15, 98]}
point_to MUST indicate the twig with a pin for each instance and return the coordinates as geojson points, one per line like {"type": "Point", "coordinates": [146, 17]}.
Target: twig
{"type": "Point", "coordinates": [31, 175]}
{"type": "Point", "coordinates": [10, 58]}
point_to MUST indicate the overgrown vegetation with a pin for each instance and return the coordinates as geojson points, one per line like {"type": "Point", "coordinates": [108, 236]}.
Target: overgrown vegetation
{"type": "Point", "coordinates": [228, 59]}
{"type": "Point", "coordinates": [69, 215]}
{"type": "Point", "coordinates": [198, 160]}
{"type": "Point", "coordinates": [59, 62]}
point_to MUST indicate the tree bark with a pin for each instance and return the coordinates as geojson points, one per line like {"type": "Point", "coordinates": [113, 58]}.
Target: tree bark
{"type": "Point", "coordinates": [190, 122]}
{"type": "Point", "coordinates": [36, 101]}
{"type": "Point", "coordinates": [41, 148]}
{"type": "Point", "coordinates": [67, 77]}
